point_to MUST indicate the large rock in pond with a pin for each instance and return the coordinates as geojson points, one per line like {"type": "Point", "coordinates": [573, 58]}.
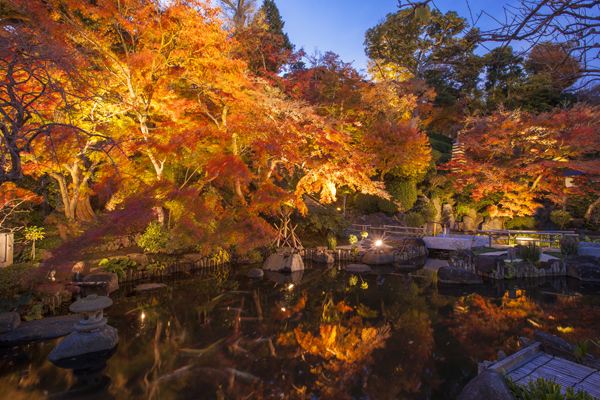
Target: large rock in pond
{"type": "Point", "coordinates": [283, 263]}
{"type": "Point", "coordinates": [584, 272]}
{"type": "Point", "coordinates": [458, 276]}
{"type": "Point", "coordinates": [489, 385]}
{"type": "Point", "coordinates": [39, 330]}
{"type": "Point", "coordinates": [376, 257]}
{"type": "Point", "coordinates": [107, 283]}
{"type": "Point", "coordinates": [488, 264]}
{"type": "Point", "coordinates": [323, 257]}
{"type": "Point", "coordinates": [358, 268]}
{"type": "Point", "coordinates": [255, 273]}
{"type": "Point", "coordinates": [9, 321]}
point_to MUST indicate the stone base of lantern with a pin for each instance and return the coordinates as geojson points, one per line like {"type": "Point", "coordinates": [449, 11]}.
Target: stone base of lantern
{"type": "Point", "coordinates": [77, 344]}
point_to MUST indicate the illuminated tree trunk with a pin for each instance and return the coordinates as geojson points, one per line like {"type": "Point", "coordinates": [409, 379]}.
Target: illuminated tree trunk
{"type": "Point", "coordinates": [588, 213]}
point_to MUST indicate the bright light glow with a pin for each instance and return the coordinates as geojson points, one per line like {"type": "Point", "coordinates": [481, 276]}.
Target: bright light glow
{"type": "Point", "coordinates": [291, 286]}
{"type": "Point", "coordinates": [378, 243]}
{"type": "Point", "coordinates": [567, 329]}
{"type": "Point", "coordinates": [283, 309]}
{"type": "Point", "coordinates": [143, 316]}
{"type": "Point", "coordinates": [339, 209]}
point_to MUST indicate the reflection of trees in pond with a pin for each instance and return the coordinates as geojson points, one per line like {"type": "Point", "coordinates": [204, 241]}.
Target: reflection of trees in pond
{"type": "Point", "coordinates": [485, 326]}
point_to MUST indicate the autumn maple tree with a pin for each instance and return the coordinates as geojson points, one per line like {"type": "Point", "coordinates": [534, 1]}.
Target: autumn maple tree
{"type": "Point", "coordinates": [522, 157]}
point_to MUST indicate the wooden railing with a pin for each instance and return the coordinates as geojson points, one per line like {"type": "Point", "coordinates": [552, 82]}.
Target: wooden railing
{"type": "Point", "coordinates": [540, 237]}
{"type": "Point", "coordinates": [388, 230]}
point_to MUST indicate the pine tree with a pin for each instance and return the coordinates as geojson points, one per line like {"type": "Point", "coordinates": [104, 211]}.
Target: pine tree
{"type": "Point", "coordinates": [275, 23]}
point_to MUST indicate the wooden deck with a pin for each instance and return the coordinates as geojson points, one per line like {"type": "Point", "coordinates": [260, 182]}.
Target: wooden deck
{"type": "Point", "coordinates": [533, 362]}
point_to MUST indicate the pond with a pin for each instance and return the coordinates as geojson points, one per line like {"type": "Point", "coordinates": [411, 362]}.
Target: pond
{"type": "Point", "coordinates": [322, 334]}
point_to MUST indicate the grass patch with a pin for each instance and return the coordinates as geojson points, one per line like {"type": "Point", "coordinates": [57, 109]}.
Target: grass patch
{"type": "Point", "coordinates": [486, 250]}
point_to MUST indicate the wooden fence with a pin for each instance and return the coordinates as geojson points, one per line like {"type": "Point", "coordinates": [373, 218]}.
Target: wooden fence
{"type": "Point", "coordinates": [538, 237]}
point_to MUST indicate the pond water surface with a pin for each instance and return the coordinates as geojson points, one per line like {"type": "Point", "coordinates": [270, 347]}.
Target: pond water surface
{"type": "Point", "coordinates": [322, 334]}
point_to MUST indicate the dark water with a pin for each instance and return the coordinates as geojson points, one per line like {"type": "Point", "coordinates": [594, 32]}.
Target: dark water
{"type": "Point", "coordinates": [327, 335]}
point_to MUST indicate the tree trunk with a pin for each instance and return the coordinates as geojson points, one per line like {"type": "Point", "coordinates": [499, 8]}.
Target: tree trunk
{"type": "Point", "coordinates": [84, 211]}
{"type": "Point", "coordinates": [588, 213]}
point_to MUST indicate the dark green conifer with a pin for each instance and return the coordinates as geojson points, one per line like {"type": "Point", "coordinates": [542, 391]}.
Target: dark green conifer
{"type": "Point", "coordinates": [275, 23]}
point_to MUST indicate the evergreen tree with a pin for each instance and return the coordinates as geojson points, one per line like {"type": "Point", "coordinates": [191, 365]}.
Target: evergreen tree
{"type": "Point", "coordinates": [275, 23]}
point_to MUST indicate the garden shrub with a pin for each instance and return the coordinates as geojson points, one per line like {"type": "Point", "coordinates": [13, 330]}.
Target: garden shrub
{"type": "Point", "coordinates": [387, 206]}
{"type": "Point", "coordinates": [568, 246]}
{"type": "Point", "coordinates": [560, 218]}
{"type": "Point", "coordinates": [155, 238]}
{"type": "Point", "coordinates": [366, 202]}
{"type": "Point", "coordinates": [428, 211]}
{"type": "Point", "coordinates": [544, 389]}
{"type": "Point", "coordinates": [117, 265]}
{"type": "Point", "coordinates": [323, 220]}
{"type": "Point", "coordinates": [403, 191]}
{"type": "Point", "coordinates": [521, 223]}
{"type": "Point", "coordinates": [14, 277]}
{"type": "Point", "coordinates": [531, 253]}
{"type": "Point", "coordinates": [414, 219]}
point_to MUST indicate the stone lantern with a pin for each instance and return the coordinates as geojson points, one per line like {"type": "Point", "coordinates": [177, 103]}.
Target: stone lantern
{"type": "Point", "coordinates": [91, 332]}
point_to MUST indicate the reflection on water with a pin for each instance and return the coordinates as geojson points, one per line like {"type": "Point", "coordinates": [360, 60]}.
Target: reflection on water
{"type": "Point", "coordinates": [322, 334]}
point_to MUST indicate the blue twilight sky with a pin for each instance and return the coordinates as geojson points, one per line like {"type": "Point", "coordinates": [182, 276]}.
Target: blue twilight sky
{"type": "Point", "coordinates": [340, 25]}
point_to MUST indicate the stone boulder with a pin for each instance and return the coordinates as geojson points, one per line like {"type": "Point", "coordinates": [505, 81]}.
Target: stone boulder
{"type": "Point", "coordinates": [584, 272]}
{"type": "Point", "coordinates": [323, 257]}
{"type": "Point", "coordinates": [148, 287]}
{"type": "Point", "coordinates": [488, 264]}
{"type": "Point", "coordinates": [469, 224]}
{"type": "Point", "coordinates": [255, 273]}
{"type": "Point", "coordinates": [283, 263]}
{"type": "Point", "coordinates": [492, 223]}
{"type": "Point", "coordinates": [553, 341]}
{"type": "Point", "coordinates": [585, 259]}
{"type": "Point", "coordinates": [488, 385]}
{"type": "Point", "coordinates": [376, 257]}
{"type": "Point", "coordinates": [109, 282]}
{"type": "Point", "coordinates": [141, 259]}
{"type": "Point", "coordinates": [77, 344]}
{"type": "Point", "coordinates": [358, 268]}
{"type": "Point", "coordinates": [39, 330]}
{"type": "Point", "coordinates": [9, 321]}
{"type": "Point", "coordinates": [458, 276]}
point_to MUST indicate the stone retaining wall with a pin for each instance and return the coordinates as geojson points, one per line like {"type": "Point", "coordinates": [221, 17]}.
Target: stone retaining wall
{"type": "Point", "coordinates": [557, 268]}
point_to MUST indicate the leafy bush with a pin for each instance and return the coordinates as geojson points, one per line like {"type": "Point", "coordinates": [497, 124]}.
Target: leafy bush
{"type": "Point", "coordinates": [387, 206]}
{"type": "Point", "coordinates": [414, 219]}
{"type": "Point", "coordinates": [323, 220]}
{"type": "Point", "coordinates": [569, 246]}
{"type": "Point", "coordinates": [366, 202]}
{"type": "Point", "coordinates": [544, 389]}
{"type": "Point", "coordinates": [403, 191]}
{"type": "Point", "coordinates": [254, 255]}
{"type": "Point", "coordinates": [117, 265]}
{"type": "Point", "coordinates": [461, 209]}
{"type": "Point", "coordinates": [155, 238]}
{"type": "Point", "coordinates": [15, 277]}
{"type": "Point", "coordinates": [428, 211]}
{"type": "Point", "coordinates": [531, 253]}
{"type": "Point", "coordinates": [331, 241]}
{"type": "Point", "coordinates": [521, 223]}
{"type": "Point", "coordinates": [560, 218]}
